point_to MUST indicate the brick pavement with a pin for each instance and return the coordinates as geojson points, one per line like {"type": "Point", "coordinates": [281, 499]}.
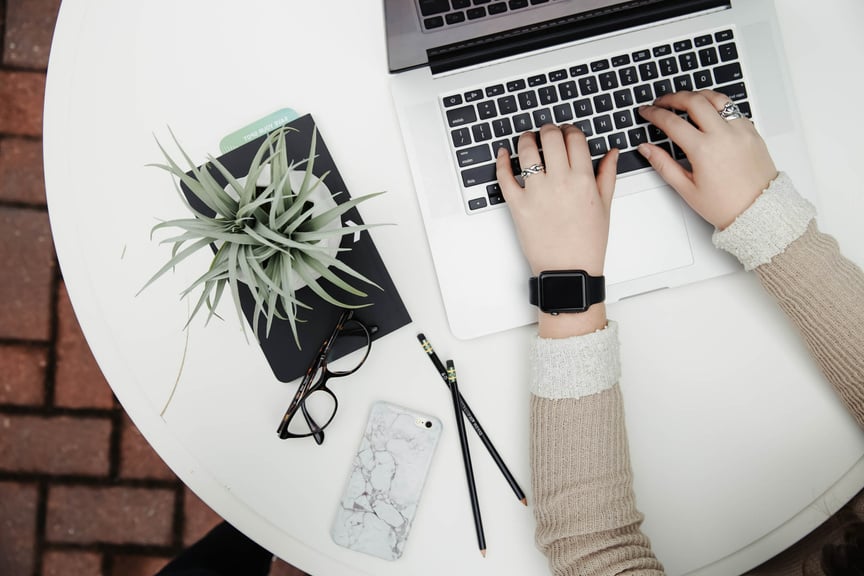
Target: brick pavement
{"type": "Point", "coordinates": [81, 491]}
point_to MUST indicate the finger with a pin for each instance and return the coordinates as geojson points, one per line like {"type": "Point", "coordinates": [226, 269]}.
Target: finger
{"type": "Point", "coordinates": [700, 109]}
{"type": "Point", "coordinates": [607, 174]}
{"type": "Point", "coordinates": [672, 172]}
{"type": "Point", "coordinates": [577, 149]}
{"type": "Point", "coordinates": [554, 151]}
{"type": "Point", "coordinates": [679, 130]}
{"type": "Point", "coordinates": [528, 151]}
{"type": "Point", "coordinates": [504, 172]}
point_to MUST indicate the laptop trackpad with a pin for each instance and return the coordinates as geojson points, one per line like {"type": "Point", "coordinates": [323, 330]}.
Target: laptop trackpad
{"type": "Point", "coordinates": [647, 235]}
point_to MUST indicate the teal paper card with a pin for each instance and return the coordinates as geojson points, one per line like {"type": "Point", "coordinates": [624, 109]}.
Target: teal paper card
{"type": "Point", "coordinates": [257, 129]}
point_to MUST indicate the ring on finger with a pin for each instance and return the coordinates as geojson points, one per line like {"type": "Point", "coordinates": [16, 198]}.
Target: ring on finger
{"type": "Point", "coordinates": [730, 111]}
{"type": "Point", "coordinates": [532, 170]}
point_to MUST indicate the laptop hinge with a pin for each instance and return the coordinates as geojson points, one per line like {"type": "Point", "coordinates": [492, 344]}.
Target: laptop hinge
{"type": "Point", "coordinates": [563, 30]}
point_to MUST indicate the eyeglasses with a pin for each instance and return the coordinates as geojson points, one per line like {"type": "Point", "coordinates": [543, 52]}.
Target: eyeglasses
{"type": "Point", "coordinates": [314, 405]}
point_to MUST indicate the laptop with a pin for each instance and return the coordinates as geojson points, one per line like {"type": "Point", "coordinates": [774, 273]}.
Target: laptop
{"type": "Point", "coordinates": [468, 76]}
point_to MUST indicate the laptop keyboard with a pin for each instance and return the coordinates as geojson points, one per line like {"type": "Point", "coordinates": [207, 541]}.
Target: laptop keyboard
{"type": "Point", "coordinates": [600, 97]}
{"type": "Point", "coordinates": [437, 14]}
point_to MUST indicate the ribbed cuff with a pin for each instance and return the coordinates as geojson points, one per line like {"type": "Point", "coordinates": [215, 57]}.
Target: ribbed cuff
{"type": "Point", "coordinates": [575, 367]}
{"type": "Point", "coordinates": [778, 217]}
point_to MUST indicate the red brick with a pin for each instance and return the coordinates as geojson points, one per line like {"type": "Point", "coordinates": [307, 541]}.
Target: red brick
{"type": "Point", "coordinates": [79, 382]}
{"type": "Point", "coordinates": [138, 565]}
{"type": "Point", "coordinates": [281, 568]}
{"type": "Point", "coordinates": [22, 94]}
{"type": "Point", "coordinates": [29, 28]}
{"type": "Point", "coordinates": [23, 375]}
{"type": "Point", "coordinates": [18, 503]}
{"type": "Point", "coordinates": [137, 458]}
{"type": "Point", "coordinates": [63, 563]}
{"type": "Point", "coordinates": [27, 270]}
{"type": "Point", "coordinates": [54, 445]}
{"type": "Point", "coordinates": [198, 518]}
{"type": "Point", "coordinates": [21, 175]}
{"type": "Point", "coordinates": [112, 515]}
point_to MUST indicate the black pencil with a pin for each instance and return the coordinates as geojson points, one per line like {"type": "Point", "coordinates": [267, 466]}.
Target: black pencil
{"type": "Point", "coordinates": [466, 457]}
{"type": "Point", "coordinates": [487, 442]}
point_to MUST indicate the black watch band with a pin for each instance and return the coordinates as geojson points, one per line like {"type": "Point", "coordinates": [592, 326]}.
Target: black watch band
{"type": "Point", "coordinates": [557, 291]}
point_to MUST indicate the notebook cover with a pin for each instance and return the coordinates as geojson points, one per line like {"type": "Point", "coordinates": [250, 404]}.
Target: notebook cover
{"type": "Point", "coordinates": [386, 311]}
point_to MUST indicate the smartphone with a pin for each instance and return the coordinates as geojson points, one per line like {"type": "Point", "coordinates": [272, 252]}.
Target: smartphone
{"type": "Point", "coordinates": [387, 476]}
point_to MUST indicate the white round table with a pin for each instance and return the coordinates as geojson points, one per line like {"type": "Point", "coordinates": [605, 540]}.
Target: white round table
{"type": "Point", "coordinates": [739, 447]}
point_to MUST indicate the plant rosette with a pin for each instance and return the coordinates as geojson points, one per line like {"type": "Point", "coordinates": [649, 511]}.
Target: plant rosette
{"type": "Point", "coordinates": [276, 230]}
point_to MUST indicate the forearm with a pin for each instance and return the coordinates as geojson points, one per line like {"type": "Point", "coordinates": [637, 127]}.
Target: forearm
{"type": "Point", "coordinates": [585, 509]}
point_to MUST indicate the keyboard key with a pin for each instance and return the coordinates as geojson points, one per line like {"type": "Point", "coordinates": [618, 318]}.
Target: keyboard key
{"type": "Point", "coordinates": [515, 85]}
{"type": "Point", "coordinates": [661, 51]}
{"type": "Point", "coordinates": [648, 71]}
{"type": "Point", "coordinates": [517, 4]}
{"type": "Point", "coordinates": [603, 124]}
{"type": "Point", "coordinates": [476, 203]}
{"type": "Point", "coordinates": [682, 83]}
{"type": "Point", "coordinates": [461, 116]}
{"type": "Point", "coordinates": [481, 132]}
{"type": "Point", "coordinates": [580, 70]}
{"type": "Point", "coordinates": [628, 76]}
{"type": "Point", "coordinates": [455, 17]}
{"type": "Point", "coordinates": [479, 2]}
{"type": "Point", "coordinates": [597, 146]}
{"type": "Point", "coordinates": [588, 85]}
{"type": "Point", "coordinates": [563, 113]}
{"type": "Point", "coordinates": [478, 175]}
{"type": "Point", "coordinates": [475, 13]}
{"type": "Point", "coordinates": [637, 136]}
{"type": "Point", "coordinates": [662, 87]}
{"type": "Point", "coordinates": [461, 137]}
{"type": "Point", "coordinates": [537, 80]}
{"type": "Point", "coordinates": [668, 66]}
{"type": "Point", "coordinates": [527, 100]}
{"type": "Point", "coordinates": [583, 108]}
{"type": "Point", "coordinates": [585, 126]}
{"type": "Point", "coordinates": [630, 161]}
{"type": "Point", "coordinates": [678, 153]}
{"type": "Point", "coordinates": [618, 140]}
{"type": "Point", "coordinates": [433, 22]}
{"type": "Point", "coordinates": [454, 100]}
{"type": "Point", "coordinates": [603, 103]}
{"type": "Point", "coordinates": [620, 60]}
{"type": "Point", "coordinates": [494, 198]}
{"type": "Point", "coordinates": [608, 80]}
{"type": "Point", "coordinates": [600, 65]}
{"type": "Point", "coordinates": [473, 95]}
{"type": "Point", "coordinates": [702, 79]}
{"type": "Point", "coordinates": [682, 45]}
{"type": "Point", "coordinates": [688, 61]}
{"type": "Point", "coordinates": [708, 56]}
{"type": "Point", "coordinates": [557, 75]}
{"type": "Point", "coordinates": [655, 134]}
{"type": "Point", "coordinates": [507, 104]}
{"type": "Point", "coordinates": [486, 110]}
{"type": "Point", "coordinates": [542, 116]}
{"type": "Point", "coordinates": [745, 109]}
{"type": "Point", "coordinates": [641, 55]}
{"type": "Point", "coordinates": [700, 41]}
{"type": "Point", "coordinates": [431, 7]}
{"type": "Point", "coordinates": [502, 127]}
{"type": "Point", "coordinates": [623, 98]}
{"type": "Point", "coordinates": [567, 90]}
{"type": "Point", "coordinates": [496, 90]}
{"type": "Point", "coordinates": [547, 95]}
{"type": "Point", "coordinates": [623, 119]}
{"type": "Point", "coordinates": [522, 123]}
{"type": "Point", "coordinates": [728, 52]}
{"type": "Point", "coordinates": [497, 8]}
{"type": "Point", "coordinates": [643, 93]}
{"type": "Point", "coordinates": [460, 4]}
{"type": "Point", "coordinates": [473, 155]}
{"type": "Point", "coordinates": [501, 144]}
{"type": "Point", "coordinates": [728, 73]}
{"type": "Point", "coordinates": [724, 35]}
{"type": "Point", "coordinates": [733, 91]}
{"type": "Point", "coordinates": [638, 117]}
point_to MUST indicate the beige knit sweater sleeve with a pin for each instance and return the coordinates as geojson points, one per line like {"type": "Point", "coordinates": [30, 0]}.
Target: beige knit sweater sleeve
{"type": "Point", "coordinates": [585, 509]}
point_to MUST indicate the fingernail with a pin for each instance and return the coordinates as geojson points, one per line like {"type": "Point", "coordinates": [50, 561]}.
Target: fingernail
{"type": "Point", "coordinates": [502, 151]}
{"type": "Point", "coordinates": [645, 151]}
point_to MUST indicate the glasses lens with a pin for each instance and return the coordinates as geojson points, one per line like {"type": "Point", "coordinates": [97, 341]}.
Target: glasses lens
{"type": "Point", "coordinates": [320, 406]}
{"type": "Point", "coordinates": [350, 349]}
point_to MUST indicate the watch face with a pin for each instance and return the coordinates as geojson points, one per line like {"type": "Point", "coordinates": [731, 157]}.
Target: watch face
{"type": "Point", "coordinates": [562, 291]}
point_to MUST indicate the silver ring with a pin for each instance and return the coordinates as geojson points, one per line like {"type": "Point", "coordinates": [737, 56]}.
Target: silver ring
{"type": "Point", "coordinates": [731, 111]}
{"type": "Point", "coordinates": [531, 170]}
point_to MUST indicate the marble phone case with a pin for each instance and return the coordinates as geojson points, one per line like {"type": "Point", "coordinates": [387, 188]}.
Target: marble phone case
{"type": "Point", "coordinates": [387, 476]}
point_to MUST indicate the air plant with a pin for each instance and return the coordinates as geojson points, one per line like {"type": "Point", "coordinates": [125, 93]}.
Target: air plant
{"type": "Point", "coordinates": [267, 237]}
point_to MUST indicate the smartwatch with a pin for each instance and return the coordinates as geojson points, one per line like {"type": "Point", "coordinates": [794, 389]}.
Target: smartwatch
{"type": "Point", "coordinates": [557, 291]}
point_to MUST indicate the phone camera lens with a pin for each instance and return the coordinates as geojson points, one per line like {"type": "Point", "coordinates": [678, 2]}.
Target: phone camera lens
{"type": "Point", "coordinates": [428, 424]}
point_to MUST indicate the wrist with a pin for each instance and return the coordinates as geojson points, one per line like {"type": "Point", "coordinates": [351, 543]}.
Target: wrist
{"type": "Point", "coordinates": [567, 325]}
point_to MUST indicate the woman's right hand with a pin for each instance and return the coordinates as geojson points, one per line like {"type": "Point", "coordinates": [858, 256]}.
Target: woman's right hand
{"type": "Point", "coordinates": [731, 164]}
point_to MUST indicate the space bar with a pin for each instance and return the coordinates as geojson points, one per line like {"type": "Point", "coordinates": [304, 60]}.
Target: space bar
{"type": "Point", "coordinates": [627, 162]}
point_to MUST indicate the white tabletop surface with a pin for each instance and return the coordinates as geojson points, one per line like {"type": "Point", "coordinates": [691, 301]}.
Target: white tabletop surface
{"type": "Point", "coordinates": [738, 445]}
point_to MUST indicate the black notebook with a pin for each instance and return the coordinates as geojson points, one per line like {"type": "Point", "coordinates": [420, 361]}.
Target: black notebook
{"type": "Point", "coordinates": [385, 311]}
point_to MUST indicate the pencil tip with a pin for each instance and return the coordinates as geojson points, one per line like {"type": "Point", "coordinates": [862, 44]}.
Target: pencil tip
{"type": "Point", "coordinates": [483, 552]}
{"type": "Point", "coordinates": [524, 501]}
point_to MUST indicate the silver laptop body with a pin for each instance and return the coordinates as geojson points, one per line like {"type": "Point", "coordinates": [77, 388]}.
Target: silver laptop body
{"type": "Point", "coordinates": [655, 240]}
